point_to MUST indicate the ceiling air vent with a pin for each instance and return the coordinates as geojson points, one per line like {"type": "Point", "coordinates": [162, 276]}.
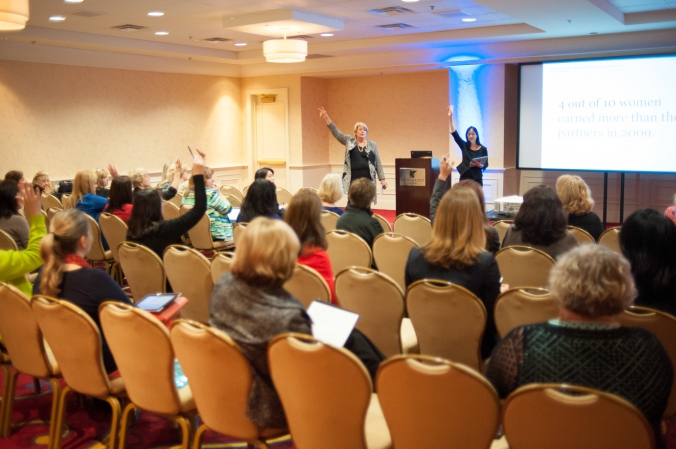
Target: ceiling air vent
{"type": "Point", "coordinates": [394, 26]}
{"type": "Point", "coordinates": [318, 56]}
{"type": "Point", "coordinates": [87, 13]}
{"type": "Point", "coordinates": [215, 40]}
{"type": "Point", "coordinates": [129, 27]}
{"type": "Point", "coordinates": [392, 10]}
{"type": "Point", "coordinates": [451, 14]}
{"type": "Point", "coordinates": [300, 36]}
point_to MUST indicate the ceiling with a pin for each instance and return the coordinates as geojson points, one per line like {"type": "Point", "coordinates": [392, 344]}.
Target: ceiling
{"type": "Point", "coordinates": [421, 35]}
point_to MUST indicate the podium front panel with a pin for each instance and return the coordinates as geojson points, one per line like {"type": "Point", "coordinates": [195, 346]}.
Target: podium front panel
{"type": "Point", "coordinates": [414, 181]}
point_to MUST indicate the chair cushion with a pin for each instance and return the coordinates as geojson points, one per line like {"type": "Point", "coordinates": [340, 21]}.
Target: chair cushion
{"type": "Point", "coordinates": [222, 244]}
{"type": "Point", "coordinates": [53, 366]}
{"type": "Point", "coordinates": [409, 341]}
{"type": "Point", "coordinates": [185, 399]}
{"type": "Point", "coordinates": [377, 432]}
{"type": "Point", "coordinates": [4, 357]}
{"type": "Point", "coordinates": [108, 255]}
{"type": "Point", "coordinates": [117, 387]}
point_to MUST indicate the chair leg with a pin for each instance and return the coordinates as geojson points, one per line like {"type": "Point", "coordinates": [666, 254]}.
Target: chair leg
{"type": "Point", "coordinates": [56, 398]}
{"type": "Point", "coordinates": [61, 411]}
{"type": "Point", "coordinates": [36, 385]}
{"type": "Point", "coordinates": [115, 420]}
{"type": "Point", "coordinates": [197, 442]}
{"type": "Point", "coordinates": [7, 401]}
{"type": "Point", "coordinates": [186, 430]}
{"type": "Point", "coordinates": [123, 426]}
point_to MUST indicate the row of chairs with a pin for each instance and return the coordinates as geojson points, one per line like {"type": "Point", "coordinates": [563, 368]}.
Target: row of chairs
{"type": "Point", "coordinates": [420, 401]}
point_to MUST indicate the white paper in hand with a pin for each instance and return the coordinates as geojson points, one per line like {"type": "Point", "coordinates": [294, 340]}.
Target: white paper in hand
{"type": "Point", "coordinates": [330, 324]}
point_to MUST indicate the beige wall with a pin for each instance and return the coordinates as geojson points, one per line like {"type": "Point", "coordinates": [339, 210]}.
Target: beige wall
{"type": "Point", "coordinates": [314, 93]}
{"type": "Point", "coordinates": [66, 118]}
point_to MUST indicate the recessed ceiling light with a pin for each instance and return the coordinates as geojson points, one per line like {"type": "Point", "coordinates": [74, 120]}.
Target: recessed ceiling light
{"type": "Point", "coordinates": [161, 33]}
{"type": "Point", "coordinates": [326, 34]}
{"type": "Point", "coordinates": [469, 19]}
{"type": "Point", "coordinates": [410, 1]}
{"type": "Point", "coordinates": [73, 1]}
{"type": "Point", "coordinates": [155, 13]}
{"type": "Point", "coordinates": [240, 44]}
{"type": "Point", "coordinates": [57, 18]}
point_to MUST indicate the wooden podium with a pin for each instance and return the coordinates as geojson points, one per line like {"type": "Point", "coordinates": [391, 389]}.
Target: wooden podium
{"type": "Point", "coordinates": [415, 180]}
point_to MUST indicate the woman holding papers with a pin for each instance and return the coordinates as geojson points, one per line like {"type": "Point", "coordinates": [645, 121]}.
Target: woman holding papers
{"type": "Point", "coordinates": [474, 155]}
{"type": "Point", "coordinates": [251, 306]}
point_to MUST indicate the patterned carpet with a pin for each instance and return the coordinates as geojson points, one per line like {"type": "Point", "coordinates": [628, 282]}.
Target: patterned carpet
{"type": "Point", "coordinates": [89, 427]}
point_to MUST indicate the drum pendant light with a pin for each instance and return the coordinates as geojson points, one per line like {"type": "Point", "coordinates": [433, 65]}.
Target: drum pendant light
{"type": "Point", "coordinates": [13, 15]}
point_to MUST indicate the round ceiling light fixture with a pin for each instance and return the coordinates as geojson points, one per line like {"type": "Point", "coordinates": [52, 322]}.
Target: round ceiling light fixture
{"type": "Point", "coordinates": [285, 50]}
{"type": "Point", "coordinates": [13, 15]}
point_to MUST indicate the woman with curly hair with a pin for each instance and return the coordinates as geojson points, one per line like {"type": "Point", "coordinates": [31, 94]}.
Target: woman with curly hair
{"type": "Point", "coordinates": [577, 201]}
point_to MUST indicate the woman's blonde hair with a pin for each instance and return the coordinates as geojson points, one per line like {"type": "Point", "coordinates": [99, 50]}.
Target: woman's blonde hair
{"type": "Point", "coordinates": [208, 173]}
{"type": "Point", "coordinates": [101, 175]}
{"type": "Point", "coordinates": [458, 234]}
{"type": "Point", "coordinates": [266, 253]}
{"type": "Point", "coordinates": [592, 281]}
{"type": "Point", "coordinates": [574, 194]}
{"type": "Point", "coordinates": [40, 174]}
{"type": "Point", "coordinates": [137, 176]}
{"type": "Point", "coordinates": [83, 184]}
{"type": "Point", "coordinates": [66, 229]}
{"type": "Point", "coordinates": [363, 125]}
{"type": "Point", "coordinates": [331, 188]}
{"type": "Point", "coordinates": [172, 171]}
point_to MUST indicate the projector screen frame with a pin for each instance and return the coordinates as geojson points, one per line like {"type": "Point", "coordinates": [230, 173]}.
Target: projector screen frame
{"type": "Point", "coordinates": [590, 59]}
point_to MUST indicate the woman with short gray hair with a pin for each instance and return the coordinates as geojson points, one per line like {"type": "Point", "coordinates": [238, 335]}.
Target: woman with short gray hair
{"type": "Point", "coordinates": [585, 345]}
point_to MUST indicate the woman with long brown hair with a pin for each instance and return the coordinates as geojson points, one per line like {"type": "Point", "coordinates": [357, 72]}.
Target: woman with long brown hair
{"type": "Point", "coordinates": [304, 217]}
{"type": "Point", "coordinates": [457, 253]}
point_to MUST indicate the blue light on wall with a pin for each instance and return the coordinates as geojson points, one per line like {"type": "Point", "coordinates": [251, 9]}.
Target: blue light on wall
{"type": "Point", "coordinates": [467, 102]}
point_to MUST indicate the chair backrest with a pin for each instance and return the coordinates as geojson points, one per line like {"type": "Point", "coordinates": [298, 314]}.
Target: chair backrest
{"type": "Point", "coordinates": [326, 406]}
{"type": "Point", "coordinates": [347, 250]}
{"type": "Point", "coordinates": [244, 191]}
{"type": "Point", "coordinates": [378, 300]}
{"type": "Point", "coordinates": [414, 226]}
{"type": "Point", "coordinates": [7, 243]}
{"type": "Point", "coordinates": [96, 252]}
{"type": "Point", "coordinates": [383, 222]}
{"type": "Point", "coordinates": [663, 325]}
{"type": "Point", "coordinates": [543, 416]}
{"type": "Point", "coordinates": [221, 264]}
{"type": "Point", "coordinates": [611, 239]}
{"type": "Point", "coordinates": [51, 212]}
{"type": "Point", "coordinates": [177, 200]}
{"type": "Point", "coordinates": [448, 319]}
{"type": "Point", "coordinates": [189, 272]}
{"type": "Point", "coordinates": [49, 201]}
{"type": "Point", "coordinates": [233, 200]}
{"type": "Point", "coordinates": [233, 191]}
{"type": "Point", "coordinates": [147, 368]}
{"type": "Point", "coordinates": [65, 198]}
{"type": "Point", "coordinates": [143, 269]}
{"type": "Point", "coordinates": [502, 226]}
{"type": "Point", "coordinates": [427, 400]}
{"type": "Point", "coordinates": [329, 220]}
{"type": "Point", "coordinates": [307, 285]}
{"type": "Point", "coordinates": [524, 266]}
{"type": "Point", "coordinates": [220, 377]}
{"type": "Point", "coordinates": [283, 196]}
{"type": "Point", "coordinates": [21, 334]}
{"type": "Point", "coordinates": [47, 220]}
{"type": "Point", "coordinates": [200, 234]}
{"type": "Point", "coordinates": [581, 235]}
{"type": "Point", "coordinates": [75, 340]}
{"type": "Point", "coordinates": [237, 231]}
{"type": "Point", "coordinates": [523, 305]}
{"type": "Point", "coordinates": [391, 252]}
{"type": "Point", "coordinates": [114, 230]}
{"type": "Point", "coordinates": [170, 210]}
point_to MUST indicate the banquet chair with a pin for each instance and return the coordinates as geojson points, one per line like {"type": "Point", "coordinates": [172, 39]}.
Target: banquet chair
{"type": "Point", "coordinates": [347, 250]}
{"type": "Point", "coordinates": [177, 200]}
{"type": "Point", "coordinates": [391, 252]}
{"type": "Point", "coordinates": [78, 353]}
{"type": "Point", "coordinates": [428, 400]}
{"type": "Point", "coordinates": [244, 192]}
{"type": "Point", "coordinates": [7, 243]}
{"type": "Point", "coordinates": [148, 369]}
{"type": "Point", "coordinates": [237, 231]}
{"type": "Point", "coordinates": [663, 325]}
{"type": "Point", "coordinates": [581, 235]}
{"type": "Point", "coordinates": [189, 272]}
{"type": "Point", "coordinates": [307, 285]}
{"type": "Point", "coordinates": [329, 220]}
{"type": "Point", "coordinates": [610, 238]}
{"type": "Point", "coordinates": [502, 226]}
{"type": "Point", "coordinates": [414, 226]}
{"type": "Point", "coordinates": [51, 212]}
{"type": "Point", "coordinates": [449, 321]}
{"type": "Point", "coordinates": [233, 200]}
{"type": "Point", "coordinates": [562, 416]}
{"type": "Point", "coordinates": [220, 378]}
{"type": "Point", "coordinates": [115, 231]}
{"type": "Point", "coordinates": [523, 305]}
{"type": "Point", "coordinates": [221, 264]}
{"type": "Point", "coordinates": [379, 301]}
{"type": "Point", "coordinates": [200, 234]}
{"type": "Point", "coordinates": [283, 196]}
{"type": "Point", "coordinates": [97, 254]}
{"type": "Point", "coordinates": [332, 405]}
{"type": "Point", "coordinates": [49, 201]}
{"type": "Point", "coordinates": [231, 190]}
{"type": "Point", "coordinates": [383, 222]}
{"type": "Point", "coordinates": [143, 270]}
{"type": "Point", "coordinates": [523, 265]}
{"type": "Point", "coordinates": [170, 210]}
{"type": "Point", "coordinates": [47, 220]}
{"type": "Point", "coordinates": [27, 351]}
